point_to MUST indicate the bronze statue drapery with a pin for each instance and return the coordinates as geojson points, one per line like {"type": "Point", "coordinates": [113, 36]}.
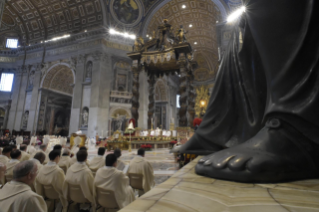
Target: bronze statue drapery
{"type": "Point", "coordinates": [264, 104]}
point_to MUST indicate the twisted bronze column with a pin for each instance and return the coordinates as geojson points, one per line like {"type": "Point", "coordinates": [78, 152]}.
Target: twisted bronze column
{"type": "Point", "coordinates": [191, 99]}
{"type": "Point", "coordinates": [151, 104]}
{"type": "Point", "coordinates": [136, 93]}
{"type": "Point", "coordinates": [182, 62]}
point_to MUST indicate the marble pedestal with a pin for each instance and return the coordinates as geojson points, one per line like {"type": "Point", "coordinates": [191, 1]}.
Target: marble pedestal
{"type": "Point", "coordinates": [185, 191]}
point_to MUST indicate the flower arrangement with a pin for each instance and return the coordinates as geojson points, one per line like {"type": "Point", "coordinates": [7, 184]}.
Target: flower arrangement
{"type": "Point", "coordinates": [98, 143]}
{"type": "Point", "coordinates": [105, 146]}
{"type": "Point", "coordinates": [147, 147]}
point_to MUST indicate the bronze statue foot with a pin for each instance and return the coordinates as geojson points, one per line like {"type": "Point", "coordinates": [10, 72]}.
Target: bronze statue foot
{"type": "Point", "coordinates": [192, 146]}
{"type": "Point", "coordinates": [277, 153]}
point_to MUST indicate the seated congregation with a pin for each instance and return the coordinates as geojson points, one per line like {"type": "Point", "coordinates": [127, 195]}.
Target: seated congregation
{"type": "Point", "coordinates": [32, 184]}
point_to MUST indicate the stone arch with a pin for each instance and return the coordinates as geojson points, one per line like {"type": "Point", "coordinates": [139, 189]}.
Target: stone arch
{"type": "Point", "coordinates": [59, 78]}
{"type": "Point", "coordinates": [121, 111]}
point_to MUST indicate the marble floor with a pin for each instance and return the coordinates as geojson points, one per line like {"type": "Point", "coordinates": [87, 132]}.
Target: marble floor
{"type": "Point", "coordinates": [162, 161]}
{"type": "Point", "coordinates": [185, 191]}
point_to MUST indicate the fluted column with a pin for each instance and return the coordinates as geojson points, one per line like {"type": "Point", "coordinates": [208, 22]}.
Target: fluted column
{"type": "Point", "coordinates": [151, 104]}
{"type": "Point", "coordinates": [135, 91]}
{"type": "Point", "coordinates": [183, 101]}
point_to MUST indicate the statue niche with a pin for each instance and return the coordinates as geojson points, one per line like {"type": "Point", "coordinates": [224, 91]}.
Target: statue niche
{"type": "Point", "coordinates": [31, 79]}
{"type": "Point", "coordinates": [25, 120]}
{"type": "Point", "coordinates": [88, 71]}
{"type": "Point", "coordinates": [85, 117]}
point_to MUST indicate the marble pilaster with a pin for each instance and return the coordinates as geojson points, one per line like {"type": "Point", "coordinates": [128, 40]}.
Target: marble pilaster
{"type": "Point", "coordinates": [34, 106]}
{"type": "Point", "coordinates": [102, 77]}
{"type": "Point", "coordinates": [77, 95]}
{"type": "Point", "coordinates": [143, 100]}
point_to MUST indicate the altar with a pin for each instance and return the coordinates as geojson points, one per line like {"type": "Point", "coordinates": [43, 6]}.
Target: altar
{"type": "Point", "coordinates": [156, 138]}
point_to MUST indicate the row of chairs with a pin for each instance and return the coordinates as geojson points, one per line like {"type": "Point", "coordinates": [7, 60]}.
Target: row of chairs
{"type": "Point", "coordinates": [105, 198]}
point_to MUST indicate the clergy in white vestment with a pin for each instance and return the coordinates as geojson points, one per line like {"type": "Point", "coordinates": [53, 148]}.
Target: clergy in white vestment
{"type": "Point", "coordinates": [98, 161]}
{"type": "Point", "coordinates": [74, 159]}
{"type": "Point", "coordinates": [43, 149]}
{"type": "Point", "coordinates": [52, 174]}
{"type": "Point", "coordinates": [120, 163]}
{"type": "Point", "coordinates": [110, 178]}
{"type": "Point", "coordinates": [5, 156]}
{"type": "Point", "coordinates": [3, 169]}
{"type": "Point", "coordinates": [15, 159]}
{"type": "Point", "coordinates": [75, 147]}
{"type": "Point", "coordinates": [80, 174]}
{"type": "Point", "coordinates": [17, 196]}
{"type": "Point", "coordinates": [31, 149]}
{"type": "Point", "coordinates": [65, 160]}
{"type": "Point", "coordinates": [139, 165]}
{"type": "Point", "coordinates": [39, 158]}
{"type": "Point", "coordinates": [58, 147]}
{"type": "Point", "coordinates": [24, 154]}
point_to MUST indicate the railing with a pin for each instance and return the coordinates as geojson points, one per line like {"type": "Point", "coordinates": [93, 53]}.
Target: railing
{"type": "Point", "coordinates": [122, 94]}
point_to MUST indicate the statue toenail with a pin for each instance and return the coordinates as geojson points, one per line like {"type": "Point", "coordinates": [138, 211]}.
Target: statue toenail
{"type": "Point", "coordinates": [202, 160]}
{"type": "Point", "coordinates": [207, 163]}
{"type": "Point", "coordinates": [273, 123]}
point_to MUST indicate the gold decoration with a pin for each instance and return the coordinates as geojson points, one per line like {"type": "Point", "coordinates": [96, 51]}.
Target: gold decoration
{"type": "Point", "coordinates": [202, 99]}
{"type": "Point", "coordinates": [73, 136]}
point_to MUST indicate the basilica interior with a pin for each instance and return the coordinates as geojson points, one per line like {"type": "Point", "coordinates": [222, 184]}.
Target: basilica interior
{"type": "Point", "coordinates": [133, 74]}
{"type": "Point", "coordinates": [71, 69]}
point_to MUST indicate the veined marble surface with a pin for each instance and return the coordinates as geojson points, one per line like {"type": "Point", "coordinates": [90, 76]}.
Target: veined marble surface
{"type": "Point", "coordinates": [185, 191]}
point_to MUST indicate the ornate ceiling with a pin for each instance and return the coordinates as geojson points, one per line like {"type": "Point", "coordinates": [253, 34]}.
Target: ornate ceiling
{"type": "Point", "coordinates": [37, 20]}
{"type": "Point", "coordinates": [60, 78]}
{"type": "Point", "coordinates": [199, 19]}
{"type": "Point", "coordinates": [33, 21]}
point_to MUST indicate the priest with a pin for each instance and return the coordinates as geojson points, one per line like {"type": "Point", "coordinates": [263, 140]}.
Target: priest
{"type": "Point", "coordinates": [31, 149]}
{"type": "Point", "coordinates": [15, 159]}
{"type": "Point", "coordinates": [5, 157]}
{"type": "Point", "coordinates": [24, 154]}
{"type": "Point", "coordinates": [39, 159]}
{"type": "Point", "coordinates": [43, 149]}
{"type": "Point", "coordinates": [110, 178]}
{"type": "Point", "coordinates": [65, 160]}
{"type": "Point", "coordinates": [3, 169]}
{"type": "Point", "coordinates": [52, 174]}
{"type": "Point", "coordinates": [98, 161]}
{"type": "Point", "coordinates": [80, 174]}
{"type": "Point", "coordinates": [120, 164]}
{"type": "Point", "coordinates": [139, 165]}
{"type": "Point", "coordinates": [17, 196]}
{"type": "Point", "coordinates": [74, 159]}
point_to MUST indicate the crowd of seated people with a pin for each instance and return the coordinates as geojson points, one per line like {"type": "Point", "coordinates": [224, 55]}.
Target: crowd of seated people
{"type": "Point", "coordinates": [56, 177]}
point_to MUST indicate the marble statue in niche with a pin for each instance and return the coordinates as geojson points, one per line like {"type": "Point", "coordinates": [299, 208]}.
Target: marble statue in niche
{"type": "Point", "coordinates": [89, 67]}
{"type": "Point", "coordinates": [85, 117]}
{"type": "Point", "coordinates": [25, 120]}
